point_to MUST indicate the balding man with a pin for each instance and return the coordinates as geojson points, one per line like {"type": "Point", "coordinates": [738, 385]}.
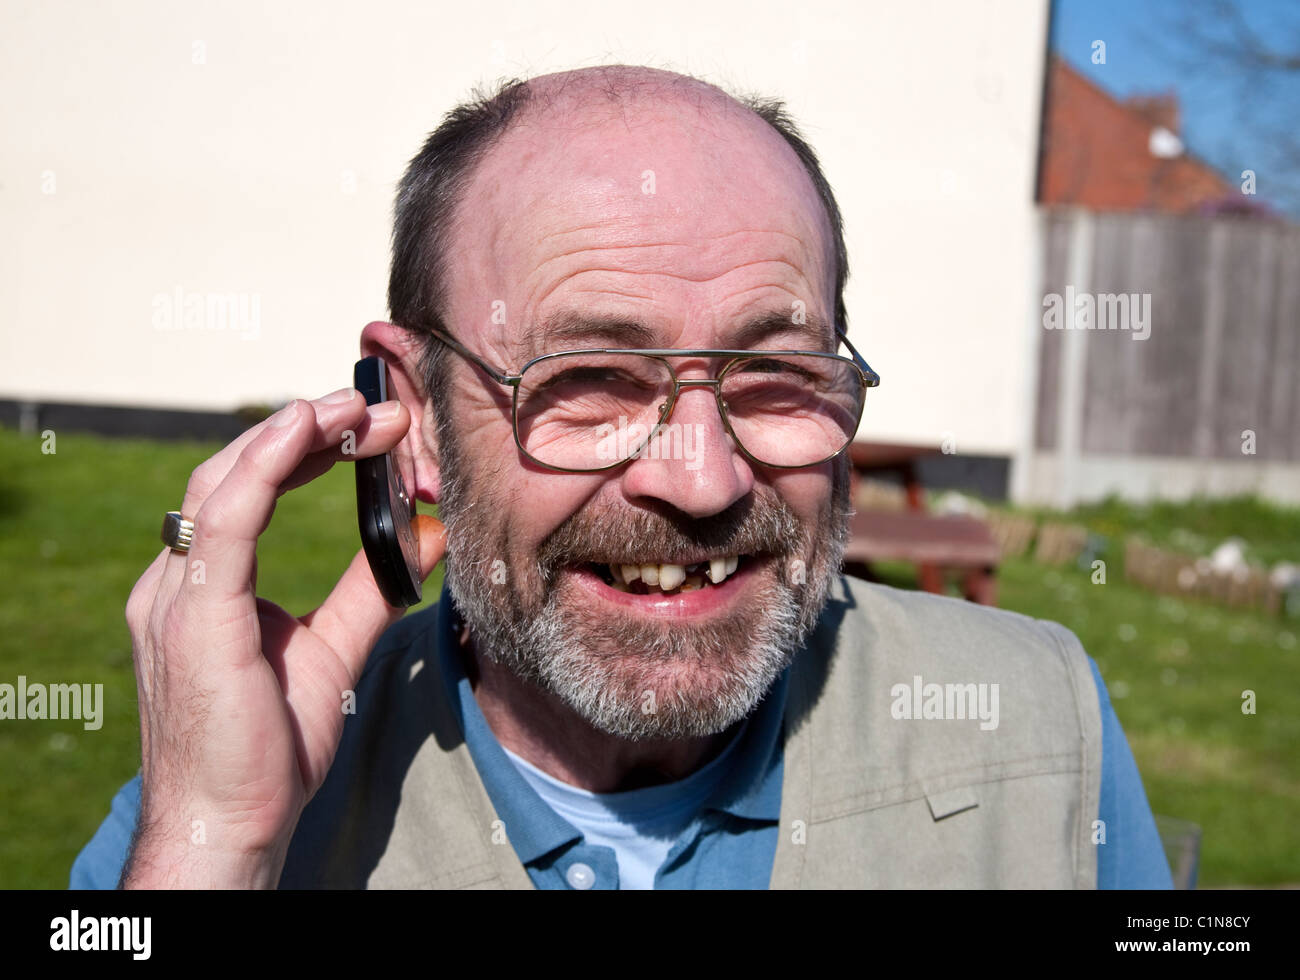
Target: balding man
{"type": "Point", "coordinates": [617, 305]}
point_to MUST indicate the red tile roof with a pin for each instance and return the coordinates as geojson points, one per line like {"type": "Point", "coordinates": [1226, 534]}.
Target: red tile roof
{"type": "Point", "coordinates": [1097, 153]}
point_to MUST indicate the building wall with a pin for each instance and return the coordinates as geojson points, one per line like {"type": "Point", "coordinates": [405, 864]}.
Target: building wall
{"type": "Point", "coordinates": [242, 156]}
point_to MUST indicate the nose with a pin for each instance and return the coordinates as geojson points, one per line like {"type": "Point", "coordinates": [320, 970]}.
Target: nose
{"type": "Point", "coordinates": [692, 463]}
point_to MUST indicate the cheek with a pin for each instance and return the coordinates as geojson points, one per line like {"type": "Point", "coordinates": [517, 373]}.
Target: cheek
{"type": "Point", "coordinates": [535, 503]}
{"type": "Point", "coordinates": [806, 492]}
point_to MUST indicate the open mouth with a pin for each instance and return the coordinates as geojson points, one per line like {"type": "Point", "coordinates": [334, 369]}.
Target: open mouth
{"type": "Point", "coordinates": [668, 578]}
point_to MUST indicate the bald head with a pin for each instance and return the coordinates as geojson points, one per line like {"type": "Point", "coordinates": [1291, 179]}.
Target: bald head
{"type": "Point", "coordinates": [571, 100]}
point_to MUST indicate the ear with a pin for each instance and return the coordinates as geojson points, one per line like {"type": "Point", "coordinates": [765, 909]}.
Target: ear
{"type": "Point", "coordinates": [417, 454]}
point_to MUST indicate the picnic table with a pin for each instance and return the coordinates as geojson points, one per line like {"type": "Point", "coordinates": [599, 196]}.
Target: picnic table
{"type": "Point", "coordinates": [934, 543]}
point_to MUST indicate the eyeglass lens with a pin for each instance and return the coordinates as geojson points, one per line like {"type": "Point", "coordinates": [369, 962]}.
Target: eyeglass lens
{"type": "Point", "coordinates": [588, 411]}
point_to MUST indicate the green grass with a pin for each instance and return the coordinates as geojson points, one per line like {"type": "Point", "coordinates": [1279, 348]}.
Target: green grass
{"type": "Point", "coordinates": [79, 526]}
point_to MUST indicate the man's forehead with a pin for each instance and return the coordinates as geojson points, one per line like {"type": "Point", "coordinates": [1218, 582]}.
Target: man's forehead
{"type": "Point", "coordinates": [576, 329]}
{"type": "Point", "coordinates": [564, 173]}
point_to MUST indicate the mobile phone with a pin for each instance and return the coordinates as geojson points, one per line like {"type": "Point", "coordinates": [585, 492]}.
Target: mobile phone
{"type": "Point", "coordinates": [384, 508]}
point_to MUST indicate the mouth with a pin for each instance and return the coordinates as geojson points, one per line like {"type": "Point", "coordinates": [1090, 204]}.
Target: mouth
{"type": "Point", "coordinates": [667, 578]}
{"type": "Point", "coordinates": [705, 586]}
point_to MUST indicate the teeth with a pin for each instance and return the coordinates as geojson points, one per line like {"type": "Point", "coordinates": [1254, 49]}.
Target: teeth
{"type": "Point", "coordinates": [667, 577]}
{"type": "Point", "coordinates": [671, 576]}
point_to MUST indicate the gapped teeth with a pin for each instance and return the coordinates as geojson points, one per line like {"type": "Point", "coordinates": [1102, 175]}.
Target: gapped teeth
{"type": "Point", "coordinates": [667, 577]}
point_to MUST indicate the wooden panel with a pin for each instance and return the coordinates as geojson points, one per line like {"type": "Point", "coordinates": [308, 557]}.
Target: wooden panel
{"type": "Point", "coordinates": [1223, 354]}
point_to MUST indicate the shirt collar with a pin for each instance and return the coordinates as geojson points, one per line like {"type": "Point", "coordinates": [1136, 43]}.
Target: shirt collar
{"type": "Point", "coordinates": [751, 791]}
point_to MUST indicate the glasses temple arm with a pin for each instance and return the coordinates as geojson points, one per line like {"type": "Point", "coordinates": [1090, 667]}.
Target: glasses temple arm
{"type": "Point", "coordinates": [497, 374]}
{"type": "Point", "coordinates": [872, 376]}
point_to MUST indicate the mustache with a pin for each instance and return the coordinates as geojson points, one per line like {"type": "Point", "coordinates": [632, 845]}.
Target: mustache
{"type": "Point", "coordinates": [756, 525]}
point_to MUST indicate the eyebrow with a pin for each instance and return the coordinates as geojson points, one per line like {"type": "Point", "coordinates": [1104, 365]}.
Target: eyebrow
{"type": "Point", "coordinates": [569, 330]}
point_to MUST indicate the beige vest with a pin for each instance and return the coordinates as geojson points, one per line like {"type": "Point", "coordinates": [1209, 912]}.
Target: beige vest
{"type": "Point", "coordinates": [873, 796]}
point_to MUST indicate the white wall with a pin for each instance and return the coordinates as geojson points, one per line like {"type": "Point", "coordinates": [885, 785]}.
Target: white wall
{"type": "Point", "coordinates": [127, 171]}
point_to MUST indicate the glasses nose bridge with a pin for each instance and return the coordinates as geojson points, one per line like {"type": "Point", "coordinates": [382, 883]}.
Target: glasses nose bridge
{"type": "Point", "coordinates": [680, 383]}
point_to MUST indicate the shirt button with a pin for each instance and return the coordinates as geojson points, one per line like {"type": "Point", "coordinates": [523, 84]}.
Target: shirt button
{"type": "Point", "coordinates": [580, 876]}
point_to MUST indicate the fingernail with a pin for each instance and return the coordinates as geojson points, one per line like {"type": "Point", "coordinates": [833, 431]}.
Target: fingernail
{"type": "Point", "coordinates": [285, 416]}
{"type": "Point", "coordinates": [339, 397]}
{"type": "Point", "coordinates": [384, 410]}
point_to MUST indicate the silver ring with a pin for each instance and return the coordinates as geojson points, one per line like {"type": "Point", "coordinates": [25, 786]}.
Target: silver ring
{"type": "Point", "coordinates": [177, 532]}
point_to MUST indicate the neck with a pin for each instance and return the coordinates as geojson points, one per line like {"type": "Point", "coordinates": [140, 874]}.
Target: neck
{"type": "Point", "coordinates": [539, 728]}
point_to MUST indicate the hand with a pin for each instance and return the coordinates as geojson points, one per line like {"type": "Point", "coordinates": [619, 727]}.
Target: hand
{"type": "Point", "coordinates": [241, 704]}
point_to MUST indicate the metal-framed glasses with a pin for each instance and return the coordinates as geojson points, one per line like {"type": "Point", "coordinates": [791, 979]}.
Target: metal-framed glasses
{"type": "Point", "coordinates": [584, 411]}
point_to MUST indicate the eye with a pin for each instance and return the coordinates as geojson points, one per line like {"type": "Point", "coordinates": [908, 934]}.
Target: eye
{"type": "Point", "coordinates": [767, 365]}
{"type": "Point", "coordinates": [587, 375]}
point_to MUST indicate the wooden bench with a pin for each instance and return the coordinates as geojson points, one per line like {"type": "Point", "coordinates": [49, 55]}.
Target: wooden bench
{"type": "Point", "coordinates": [933, 543]}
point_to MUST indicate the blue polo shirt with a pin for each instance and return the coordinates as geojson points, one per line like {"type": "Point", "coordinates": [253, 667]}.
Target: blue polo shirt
{"type": "Point", "coordinates": [729, 843]}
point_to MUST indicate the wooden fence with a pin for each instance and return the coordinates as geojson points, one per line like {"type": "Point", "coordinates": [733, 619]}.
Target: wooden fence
{"type": "Point", "coordinates": [1222, 353]}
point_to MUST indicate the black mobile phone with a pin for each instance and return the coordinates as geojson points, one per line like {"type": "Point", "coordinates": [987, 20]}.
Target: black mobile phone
{"type": "Point", "coordinates": [384, 508]}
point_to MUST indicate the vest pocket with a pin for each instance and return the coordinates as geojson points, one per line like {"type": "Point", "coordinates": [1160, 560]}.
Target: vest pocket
{"type": "Point", "coordinates": [951, 801]}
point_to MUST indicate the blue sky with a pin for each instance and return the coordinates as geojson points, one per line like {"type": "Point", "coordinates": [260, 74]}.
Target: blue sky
{"type": "Point", "coordinates": [1231, 118]}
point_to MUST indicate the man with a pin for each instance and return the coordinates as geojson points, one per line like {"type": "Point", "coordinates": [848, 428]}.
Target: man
{"type": "Point", "coordinates": [645, 669]}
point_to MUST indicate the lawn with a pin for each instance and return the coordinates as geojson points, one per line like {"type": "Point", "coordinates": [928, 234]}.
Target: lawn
{"type": "Point", "coordinates": [79, 525]}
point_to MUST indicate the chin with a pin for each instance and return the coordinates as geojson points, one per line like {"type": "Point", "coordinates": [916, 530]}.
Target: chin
{"type": "Point", "coordinates": [669, 681]}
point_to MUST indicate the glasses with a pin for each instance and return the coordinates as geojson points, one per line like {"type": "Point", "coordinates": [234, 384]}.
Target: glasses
{"type": "Point", "coordinates": [584, 411]}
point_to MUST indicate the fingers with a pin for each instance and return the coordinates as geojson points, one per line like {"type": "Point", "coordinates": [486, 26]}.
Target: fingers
{"type": "Point", "coordinates": [140, 602]}
{"type": "Point", "coordinates": [355, 614]}
{"type": "Point", "coordinates": [372, 435]}
{"type": "Point", "coordinates": [335, 413]}
{"type": "Point", "coordinates": [343, 427]}
{"type": "Point", "coordinates": [227, 525]}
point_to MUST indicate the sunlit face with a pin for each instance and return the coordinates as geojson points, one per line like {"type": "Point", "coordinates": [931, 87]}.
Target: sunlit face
{"type": "Point", "coordinates": [680, 226]}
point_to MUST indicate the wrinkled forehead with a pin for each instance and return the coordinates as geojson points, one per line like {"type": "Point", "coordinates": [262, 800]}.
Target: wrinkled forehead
{"type": "Point", "coordinates": [638, 198]}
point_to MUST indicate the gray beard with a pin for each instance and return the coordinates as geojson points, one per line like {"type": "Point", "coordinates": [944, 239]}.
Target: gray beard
{"type": "Point", "coordinates": [619, 674]}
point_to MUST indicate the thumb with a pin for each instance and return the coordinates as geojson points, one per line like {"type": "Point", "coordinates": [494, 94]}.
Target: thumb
{"type": "Point", "coordinates": [431, 534]}
{"type": "Point", "coordinates": [355, 614]}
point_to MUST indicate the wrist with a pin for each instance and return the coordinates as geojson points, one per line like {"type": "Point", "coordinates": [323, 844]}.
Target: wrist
{"type": "Point", "coordinates": [160, 858]}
